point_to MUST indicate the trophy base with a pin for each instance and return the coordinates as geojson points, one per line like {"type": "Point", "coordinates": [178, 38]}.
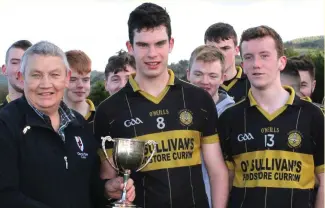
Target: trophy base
{"type": "Point", "coordinates": [124, 205]}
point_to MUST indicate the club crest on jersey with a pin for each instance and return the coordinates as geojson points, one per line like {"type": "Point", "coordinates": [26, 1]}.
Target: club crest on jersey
{"type": "Point", "coordinates": [294, 139]}
{"type": "Point", "coordinates": [186, 117]}
{"type": "Point", "coordinates": [79, 143]}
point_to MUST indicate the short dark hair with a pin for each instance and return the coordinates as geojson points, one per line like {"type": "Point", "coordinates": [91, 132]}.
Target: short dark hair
{"type": "Point", "coordinates": [119, 62]}
{"type": "Point", "coordinates": [21, 44]}
{"type": "Point", "coordinates": [291, 71]}
{"type": "Point", "coordinates": [261, 32]}
{"type": "Point", "coordinates": [220, 31]}
{"type": "Point", "coordinates": [148, 16]}
{"type": "Point", "coordinates": [304, 63]}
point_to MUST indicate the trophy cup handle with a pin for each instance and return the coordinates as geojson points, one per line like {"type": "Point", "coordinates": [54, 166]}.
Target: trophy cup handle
{"type": "Point", "coordinates": [154, 144]}
{"type": "Point", "coordinates": [104, 139]}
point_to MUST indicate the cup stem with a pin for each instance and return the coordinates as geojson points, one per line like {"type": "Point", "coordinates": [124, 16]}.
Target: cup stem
{"type": "Point", "coordinates": [126, 177]}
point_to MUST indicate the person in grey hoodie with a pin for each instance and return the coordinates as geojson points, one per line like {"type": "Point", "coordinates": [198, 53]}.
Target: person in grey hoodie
{"type": "Point", "coordinates": [206, 70]}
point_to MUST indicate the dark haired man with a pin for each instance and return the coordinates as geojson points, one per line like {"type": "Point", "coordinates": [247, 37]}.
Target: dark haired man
{"type": "Point", "coordinates": [155, 105]}
{"type": "Point", "coordinates": [118, 70]}
{"type": "Point", "coordinates": [11, 69]}
{"type": "Point", "coordinates": [224, 37]}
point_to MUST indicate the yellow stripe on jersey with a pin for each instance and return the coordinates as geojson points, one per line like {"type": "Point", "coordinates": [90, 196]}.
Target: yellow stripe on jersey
{"type": "Point", "coordinates": [210, 139]}
{"type": "Point", "coordinates": [101, 154]}
{"type": "Point", "coordinates": [230, 165]}
{"type": "Point", "coordinates": [320, 169]}
{"type": "Point", "coordinates": [274, 168]}
{"type": "Point", "coordinates": [233, 82]}
{"type": "Point", "coordinates": [178, 148]}
{"type": "Point", "coordinates": [275, 114]}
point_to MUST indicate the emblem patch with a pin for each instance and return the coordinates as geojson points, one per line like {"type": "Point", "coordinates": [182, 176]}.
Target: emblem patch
{"type": "Point", "coordinates": [294, 139]}
{"type": "Point", "coordinates": [79, 143]}
{"type": "Point", "coordinates": [186, 117]}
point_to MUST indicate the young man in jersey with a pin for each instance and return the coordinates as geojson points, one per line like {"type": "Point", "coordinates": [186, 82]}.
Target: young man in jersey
{"type": "Point", "coordinates": [11, 68]}
{"type": "Point", "coordinates": [155, 105]}
{"type": "Point", "coordinates": [75, 96]}
{"type": "Point", "coordinates": [207, 71]}
{"type": "Point", "coordinates": [306, 70]}
{"type": "Point", "coordinates": [118, 70]}
{"type": "Point", "coordinates": [224, 37]}
{"type": "Point", "coordinates": [273, 140]}
{"type": "Point", "coordinates": [289, 76]}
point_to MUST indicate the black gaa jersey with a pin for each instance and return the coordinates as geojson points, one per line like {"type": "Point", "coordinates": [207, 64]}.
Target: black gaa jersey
{"type": "Point", "coordinates": [180, 119]}
{"type": "Point", "coordinates": [274, 156]}
{"type": "Point", "coordinates": [238, 86]}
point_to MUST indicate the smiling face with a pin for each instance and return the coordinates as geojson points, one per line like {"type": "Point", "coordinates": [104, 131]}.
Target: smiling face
{"type": "Point", "coordinates": [150, 49]}
{"type": "Point", "coordinates": [79, 87]}
{"type": "Point", "coordinates": [116, 81]}
{"type": "Point", "coordinates": [45, 79]}
{"type": "Point", "coordinates": [206, 75]}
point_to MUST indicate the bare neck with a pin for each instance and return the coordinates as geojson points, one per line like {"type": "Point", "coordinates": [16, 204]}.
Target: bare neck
{"type": "Point", "coordinates": [272, 98]}
{"type": "Point", "coordinates": [80, 107]}
{"type": "Point", "coordinates": [13, 94]}
{"type": "Point", "coordinates": [231, 73]}
{"type": "Point", "coordinates": [153, 86]}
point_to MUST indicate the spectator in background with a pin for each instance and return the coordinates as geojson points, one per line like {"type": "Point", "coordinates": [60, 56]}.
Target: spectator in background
{"type": "Point", "coordinates": [306, 71]}
{"type": "Point", "coordinates": [75, 95]}
{"type": "Point", "coordinates": [11, 69]}
{"type": "Point", "coordinates": [224, 37]}
{"type": "Point", "coordinates": [117, 71]}
{"type": "Point", "coordinates": [207, 71]}
{"type": "Point", "coordinates": [290, 77]}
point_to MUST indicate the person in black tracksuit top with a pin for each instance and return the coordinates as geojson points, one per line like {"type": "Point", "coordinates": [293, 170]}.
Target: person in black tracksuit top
{"type": "Point", "coordinates": [41, 167]}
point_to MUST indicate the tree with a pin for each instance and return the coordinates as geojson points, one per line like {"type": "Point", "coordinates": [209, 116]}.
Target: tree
{"type": "Point", "coordinates": [179, 68]}
{"type": "Point", "coordinates": [98, 93]}
{"type": "Point", "coordinates": [290, 52]}
{"type": "Point", "coordinates": [317, 56]}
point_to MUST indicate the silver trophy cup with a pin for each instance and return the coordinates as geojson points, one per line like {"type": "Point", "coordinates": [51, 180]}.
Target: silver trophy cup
{"type": "Point", "coordinates": [128, 155]}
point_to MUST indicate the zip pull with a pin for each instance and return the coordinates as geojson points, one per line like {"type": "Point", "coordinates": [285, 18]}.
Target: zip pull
{"type": "Point", "coordinates": [66, 162]}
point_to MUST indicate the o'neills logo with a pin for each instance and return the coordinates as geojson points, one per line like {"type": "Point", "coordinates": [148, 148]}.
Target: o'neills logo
{"type": "Point", "coordinates": [79, 143]}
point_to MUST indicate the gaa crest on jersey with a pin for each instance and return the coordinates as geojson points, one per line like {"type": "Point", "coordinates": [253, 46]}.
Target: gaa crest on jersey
{"type": "Point", "coordinates": [79, 143]}
{"type": "Point", "coordinates": [185, 117]}
{"type": "Point", "coordinates": [294, 139]}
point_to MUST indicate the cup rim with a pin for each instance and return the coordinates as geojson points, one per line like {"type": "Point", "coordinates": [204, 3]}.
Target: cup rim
{"type": "Point", "coordinates": [128, 139]}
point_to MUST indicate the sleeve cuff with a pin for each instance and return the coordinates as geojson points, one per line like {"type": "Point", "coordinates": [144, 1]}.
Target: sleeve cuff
{"type": "Point", "coordinates": [210, 139]}
{"type": "Point", "coordinates": [102, 155]}
{"type": "Point", "coordinates": [319, 169]}
{"type": "Point", "coordinates": [230, 165]}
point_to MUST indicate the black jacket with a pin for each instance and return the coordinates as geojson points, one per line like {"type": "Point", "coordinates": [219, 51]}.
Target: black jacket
{"type": "Point", "coordinates": [33, 168]}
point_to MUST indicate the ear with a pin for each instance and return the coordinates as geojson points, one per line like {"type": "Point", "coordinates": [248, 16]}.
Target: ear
{"type": "Point", "coordinates": [129, 47]}
{"type": "Point", "coordinates": [282, 62]}
{"type": "Point", "coordinates": [20, 76]}
{"type": "Point", "coordinates": [67, 80]}
{"type": "Point", "coordinates": [4, 69]}
{"type": "Point", "coordinates": [313, 85]}
{"type": "Point", "coordinates": [237, 50]}
{"type": "Point", "coordinates": [171, 44]}
{"type": "Point", "coordinates": [188, 74]}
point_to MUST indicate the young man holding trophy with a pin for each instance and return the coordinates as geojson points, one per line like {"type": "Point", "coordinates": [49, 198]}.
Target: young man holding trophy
{"type": "Point", "coordinates": [155, 105]}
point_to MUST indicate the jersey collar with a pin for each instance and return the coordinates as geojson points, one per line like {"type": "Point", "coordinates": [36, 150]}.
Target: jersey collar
{"type": "Point", "coordinates": [136, 87]}
{"type": "Point", "coordinates": [290, 101]}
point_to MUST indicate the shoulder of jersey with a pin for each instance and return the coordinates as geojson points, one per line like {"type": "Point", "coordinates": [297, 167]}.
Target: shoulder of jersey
{"type": "Point", "coordinates": [312, 105]}
{"type": "Point", "coordinates": [188, 85]}
{"type": "Point", "coordinates": [238, 105]}
{"type": "Point", "coordinates": [115, 98]}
